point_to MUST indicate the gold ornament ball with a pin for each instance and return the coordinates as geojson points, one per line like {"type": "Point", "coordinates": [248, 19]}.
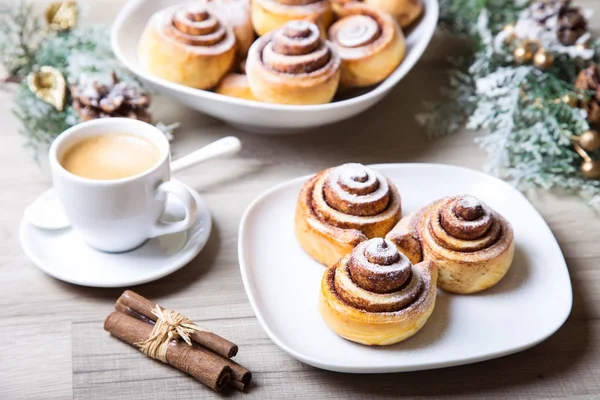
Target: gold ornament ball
{"type": "Point", "coordinates": [570, 100]}
{"type": "Point", "coordinates": [543, 59]}
{"type": "Point", "coordinates": [590, 140]}
{"type": "Point", "coordinates": [509, 28]}
{"type": "Point", "coordinates": [510, 33]}
{"type": "Point", "coordinates": [591, 169]}
{"type": "Point", "coordinates": [522, 54]}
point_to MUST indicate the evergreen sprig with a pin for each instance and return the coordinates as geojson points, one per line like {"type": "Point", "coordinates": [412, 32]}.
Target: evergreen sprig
{"type": "Point", "coordinates": [528, 129]}
{"type": "Point", "coordinates": [26, 45]}
{"type": "Point", "coordinates": [19, 35]}
{"type": "Point", "coordinates": [460, 16]}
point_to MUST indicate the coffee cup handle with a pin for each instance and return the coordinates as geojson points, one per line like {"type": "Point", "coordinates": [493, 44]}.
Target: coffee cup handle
{"type": "Point", "coordinates": [188, 202]}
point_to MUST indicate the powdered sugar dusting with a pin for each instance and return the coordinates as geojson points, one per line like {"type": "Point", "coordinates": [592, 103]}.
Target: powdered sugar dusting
{"type": "Point", "coordinates": [356, 30]}
{"type": "Point", "coordinates": [343, 176]}
{"type": "Point", "coordinates": [469, 202]}
{"type": "Point", "coordinates": [236, 12]}
{"type": "Point", "coordinates": [361, 252]}
{"type": "Point", "coordinates": [361, 297]}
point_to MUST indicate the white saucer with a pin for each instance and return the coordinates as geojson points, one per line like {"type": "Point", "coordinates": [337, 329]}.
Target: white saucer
{"type": "Point", "coordinates": [529, 304]}
{"type": "Point", "coordinates": [63, 254]}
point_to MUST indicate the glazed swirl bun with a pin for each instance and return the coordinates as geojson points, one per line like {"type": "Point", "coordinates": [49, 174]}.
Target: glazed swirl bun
{"type": "Point", "coordinates": [187, 44]}
{"type": "Point", "coordinates": [375, 296]}
{"type": "Point", "coordinates": [268, 15]}
{"type": "Point", "coordinates": [370, 44]}
{"type": "Point", "coordinates": [343, 206]}
{"type": "Point", "coordinates": [472, 245]}
{"type": "Point", "coordinates": [293, 65]}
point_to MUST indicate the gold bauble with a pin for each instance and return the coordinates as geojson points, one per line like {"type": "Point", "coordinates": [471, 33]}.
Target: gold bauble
{"type": "Point", "coordinates": [543, 59]}
{"type": "Point", "coordinates": [569, 99]}
{"type": "Point", "coordinates": [522, 54]}
{"type": "Point", "coordinates": [509, 30]}
{"type": "Point", "coordinates": [590, 140]}
{"type": "Point", "coordinates": [49, 85]}
{"type": "Point", "coordinates": [62, 16]}
{"type": "Point", "coordinates": [591, 169]}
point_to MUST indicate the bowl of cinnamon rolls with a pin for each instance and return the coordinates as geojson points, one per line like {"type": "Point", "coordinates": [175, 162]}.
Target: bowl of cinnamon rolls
{"type": "Point", "coordinates": [274, 66]}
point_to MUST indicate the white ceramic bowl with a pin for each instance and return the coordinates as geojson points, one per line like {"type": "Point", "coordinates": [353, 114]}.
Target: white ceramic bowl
{"type": "Point", "coordinates": [250, 115]}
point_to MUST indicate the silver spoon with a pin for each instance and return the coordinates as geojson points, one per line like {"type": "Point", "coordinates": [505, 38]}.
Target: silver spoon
{"type": "Point", "coordinates": [46, 212]}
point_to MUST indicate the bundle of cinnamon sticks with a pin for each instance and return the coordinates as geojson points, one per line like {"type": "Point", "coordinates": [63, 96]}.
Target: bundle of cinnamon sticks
{"type": "Point", "coordinates": [208, 359]}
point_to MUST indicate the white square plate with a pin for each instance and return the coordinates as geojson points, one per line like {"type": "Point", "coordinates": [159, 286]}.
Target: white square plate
{"type": "Point", "coordinates": [526, 307]}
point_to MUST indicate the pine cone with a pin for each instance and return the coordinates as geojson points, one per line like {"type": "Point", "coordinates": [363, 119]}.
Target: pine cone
{"type": "Point", "coordinates": [559, 16]}
{"type": "Point", "coordinates": [542, 11]}
{"type": "Point", "coordinates": [92, 100]}
{"type": "Point", "coordinates": [572, 24]}
{"type": "Point", "coordinates": [589, 79]}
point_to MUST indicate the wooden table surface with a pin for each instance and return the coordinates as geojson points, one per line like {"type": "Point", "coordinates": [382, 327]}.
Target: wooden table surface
{"type": "Point", "coordinates": [52, 345]}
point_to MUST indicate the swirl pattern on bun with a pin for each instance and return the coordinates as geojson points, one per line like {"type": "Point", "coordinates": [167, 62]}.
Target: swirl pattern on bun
{"type": "Point", "coordinates": [375, 296]}
{"type": "Point", "coordinates": [370, 44]}
{"type": "Point", "coordinates": [189, 45]}
{"type": "Point", "coordinates": [472, 245]}
{"type": "Point", "coordinates": [343, 206]}
{"type": "Point", "coordinates": [293, 65]}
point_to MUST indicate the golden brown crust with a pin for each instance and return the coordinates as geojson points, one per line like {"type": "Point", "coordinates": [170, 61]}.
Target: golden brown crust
{"type": "Point", "coordinates": [325, 232]}
{"type": "Point", "coordinates": [235, 85]}
{"type": "Point", "coordinates": [180, 41]}
{"type": "Point", "coordinates": [472, 245]}
{"type": "Point", "coordinates": [375, 296]}
{"type": "Point", "coordinates": [406, 238]}
{"type": "Point", "coordinates": [370, 43]}
{"type": "Point", "coordinates": [293, 65]}
{"type": "Point", "coordinates": [405, 12]}
{"type": "Point", "coordinates": [269, 15]}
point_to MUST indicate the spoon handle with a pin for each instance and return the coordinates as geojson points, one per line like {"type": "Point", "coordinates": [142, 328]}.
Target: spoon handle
{"type": "Point", "coordinates": [224, 146]}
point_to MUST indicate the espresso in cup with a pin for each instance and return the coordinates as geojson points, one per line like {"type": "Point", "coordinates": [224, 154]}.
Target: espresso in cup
{"type": "Point", "coordinates": [110, 156]}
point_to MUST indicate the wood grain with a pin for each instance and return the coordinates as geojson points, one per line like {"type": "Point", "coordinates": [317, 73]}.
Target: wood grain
{"type": "Point", "coordinates": [52, 345]}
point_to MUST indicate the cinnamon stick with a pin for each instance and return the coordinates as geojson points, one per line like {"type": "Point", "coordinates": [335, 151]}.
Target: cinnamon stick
{"type": "Point", "coordinates": [240, 376]}
{"type": "Point", "coordinates": [203, 365]}
{"type": "Point", "coordinates": [140, 307]}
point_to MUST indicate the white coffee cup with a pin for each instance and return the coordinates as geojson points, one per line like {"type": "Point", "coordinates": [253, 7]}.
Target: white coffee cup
{"type": "Point", "coordinates": [121, 214]}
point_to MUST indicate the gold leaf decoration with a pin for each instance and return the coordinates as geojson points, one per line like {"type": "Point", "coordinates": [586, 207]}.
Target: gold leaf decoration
{"type": "Point", "coordinates": [62, 16]}
{"type": "Point", "coordinates": [49, 85]}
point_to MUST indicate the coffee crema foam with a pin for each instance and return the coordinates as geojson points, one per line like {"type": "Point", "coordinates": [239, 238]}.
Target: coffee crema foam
{"type": "Point", "coordinates": [110, 156]}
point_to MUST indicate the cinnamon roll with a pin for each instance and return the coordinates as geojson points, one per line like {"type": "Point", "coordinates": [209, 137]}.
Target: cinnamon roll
{"type": "Point", "coordinates": [405, 12]}
{"type": "Point", "coordinates": [369, 42]}
{"type": "Point", "coordinates": [268, 15]}
{"type": "Point", "coordinates": [235, 85]}
{"type": "Point", "coordinates": [343, 206]}
{"type": "Point", "coordinates": [187, 44]}
{"type": "Point", "coordinates": [293, 65]}
{"type": "Point", "coordinates": [472, 245]}
{"type": "Point", "coordinates": [375, 296]}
